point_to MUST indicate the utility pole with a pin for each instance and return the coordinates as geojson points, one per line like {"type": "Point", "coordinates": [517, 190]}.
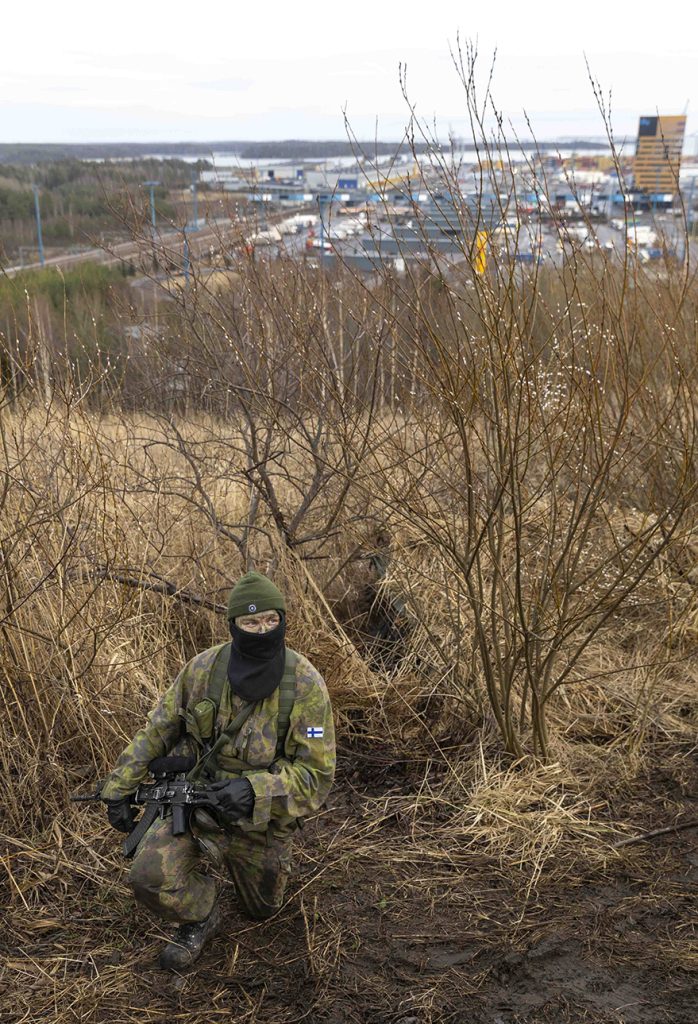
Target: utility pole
{"type": "Point", "coordinates": [195, 198]}
{"type": "Point", "coordinates": [689, 212]}
{"type": "Point", "coordinates": [190, 227]}
{"type": "Point", "coordinates": [611, 194]}
{"type": "Point", "coordinates": [321, 200]}
{"type": "Point", "coordinates": [152, 185]}
{"type": "Point", "coordinates": [186, 262]}
{"type": "Point", "coordinates": [689, 222]}
{"type": "Point", "coordinates": [39, 236]}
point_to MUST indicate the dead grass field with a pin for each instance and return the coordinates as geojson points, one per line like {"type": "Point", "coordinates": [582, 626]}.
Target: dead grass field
{"type": "Point", "coordinates": [446, 880]}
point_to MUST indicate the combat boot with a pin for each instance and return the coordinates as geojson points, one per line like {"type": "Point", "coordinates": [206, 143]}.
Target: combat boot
{"type": "Point", "coordinates": [187, 944]}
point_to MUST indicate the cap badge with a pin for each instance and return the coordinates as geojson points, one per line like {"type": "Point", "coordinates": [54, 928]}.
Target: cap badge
{"type": "Point", "coordinates": [252, 608]}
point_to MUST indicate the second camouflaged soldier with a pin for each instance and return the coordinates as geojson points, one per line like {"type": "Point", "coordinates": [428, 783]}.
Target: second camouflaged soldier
{"type": "Point", "coordinates": [275, 769]}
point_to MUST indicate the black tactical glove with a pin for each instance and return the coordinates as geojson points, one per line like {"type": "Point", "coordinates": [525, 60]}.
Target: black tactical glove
{"type": "Point", "coordinates": [235, 797]}
{"type": "Point", "coordinates": [120, 814]}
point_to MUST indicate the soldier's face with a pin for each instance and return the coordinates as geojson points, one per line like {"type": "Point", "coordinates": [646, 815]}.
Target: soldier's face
{"type": "Point", "coordinates": [259, 623]}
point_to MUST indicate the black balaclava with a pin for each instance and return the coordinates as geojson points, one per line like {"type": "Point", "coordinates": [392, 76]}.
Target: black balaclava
{"type": "Point", "coordinates": [257, 661]}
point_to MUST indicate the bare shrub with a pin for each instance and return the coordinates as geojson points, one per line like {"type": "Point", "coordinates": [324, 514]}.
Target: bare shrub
{"type": "Point", "coordinates": [478, 489]}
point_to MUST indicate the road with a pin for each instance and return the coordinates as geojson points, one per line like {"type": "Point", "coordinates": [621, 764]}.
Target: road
{"type": "Point", "coordinates": [166, 245]}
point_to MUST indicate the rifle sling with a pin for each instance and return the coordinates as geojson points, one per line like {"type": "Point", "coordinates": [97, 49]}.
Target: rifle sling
{"type": "Point", "coordinates": [212, 755]}
{"type": "Point", "coordinates": [134, 837]}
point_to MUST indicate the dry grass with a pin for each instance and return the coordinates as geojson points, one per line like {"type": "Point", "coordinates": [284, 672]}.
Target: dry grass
{"type": "Point", "coordinates": [84, 657]}
{"type": "Point", "coordinates": [429, 793]}
{"type": "Point", "coordinates": [453, 480]}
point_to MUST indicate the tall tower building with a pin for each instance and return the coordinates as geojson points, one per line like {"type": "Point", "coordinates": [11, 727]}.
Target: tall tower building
{"type": "Point", "coordinates": [658, 153]}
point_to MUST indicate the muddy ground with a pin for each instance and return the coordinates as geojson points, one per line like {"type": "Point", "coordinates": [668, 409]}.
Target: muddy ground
{"type": "Point", "coordinates": [378, 928]}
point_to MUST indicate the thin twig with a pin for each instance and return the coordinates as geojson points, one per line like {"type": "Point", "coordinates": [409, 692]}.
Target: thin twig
{"type": "Point", "coordinates": [657, 832]}
{"type": "Point", "coordinates": [158, 587]}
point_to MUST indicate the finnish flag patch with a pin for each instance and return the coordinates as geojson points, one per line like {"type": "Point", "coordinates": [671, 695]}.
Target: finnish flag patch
{"type": "Point", "coordinates": [315, 733]}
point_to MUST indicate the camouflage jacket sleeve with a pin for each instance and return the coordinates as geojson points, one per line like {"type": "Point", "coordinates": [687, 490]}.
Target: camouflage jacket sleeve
{"type": "Point", "coordinates": [304, 776]}
{"type": "Point", "coordinates": [162, 730]}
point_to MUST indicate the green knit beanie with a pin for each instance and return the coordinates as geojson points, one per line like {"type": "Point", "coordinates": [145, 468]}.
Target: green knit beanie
{"type": "Point", "coordinates": [254, 593]}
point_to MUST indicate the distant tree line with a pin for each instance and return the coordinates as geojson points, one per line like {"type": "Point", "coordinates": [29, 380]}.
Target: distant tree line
{"type": "Point", "coordinates": [28, 154]}
{"type": "Point", "coordinates": [83, 201]}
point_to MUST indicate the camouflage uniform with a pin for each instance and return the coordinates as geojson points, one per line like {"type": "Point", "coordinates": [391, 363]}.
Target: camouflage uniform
{"type": "Point", "coordinates": [166, 873]}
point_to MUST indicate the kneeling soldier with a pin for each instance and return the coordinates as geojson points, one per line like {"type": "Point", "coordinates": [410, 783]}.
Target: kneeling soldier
{"type": "Point", "coordinates": [258, 717]}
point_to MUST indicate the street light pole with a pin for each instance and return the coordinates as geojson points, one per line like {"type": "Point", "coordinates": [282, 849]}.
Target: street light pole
{"type": "Point", "coordinates": [38, 225]}
{"type": "Point", "coordinates": [186, 259]}
{"type": "Point", "coordinates": [320, 201]}
{"type": "Point", "coordinates": [190, 227]}
{"type": "Point", "coordinates": [152, 185]}
{"type": "Point", "coordinates": [685, 256]}
{"type": "Point", "coordinates": [195, 212]}
{"type": "Point", "coordinates": [611, 196]}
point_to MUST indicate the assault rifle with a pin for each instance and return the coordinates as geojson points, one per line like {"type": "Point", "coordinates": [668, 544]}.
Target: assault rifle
{"type": "Point", "coordinates": [171, 790]}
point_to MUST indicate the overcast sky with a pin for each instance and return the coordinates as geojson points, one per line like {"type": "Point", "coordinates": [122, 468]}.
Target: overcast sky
{"type": "Point", "coordinates": [82, 71]}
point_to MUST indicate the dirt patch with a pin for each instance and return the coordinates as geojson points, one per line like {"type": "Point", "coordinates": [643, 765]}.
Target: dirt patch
{"type": "Point", "coordinates": [377, 930]}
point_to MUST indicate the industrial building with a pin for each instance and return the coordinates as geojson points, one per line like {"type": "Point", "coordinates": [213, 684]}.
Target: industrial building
{"type": "Point", "coordinates": [658, 154]}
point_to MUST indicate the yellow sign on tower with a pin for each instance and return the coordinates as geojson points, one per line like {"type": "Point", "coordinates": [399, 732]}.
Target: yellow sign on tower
{"type": "Point", "coordinates": [480, 261]}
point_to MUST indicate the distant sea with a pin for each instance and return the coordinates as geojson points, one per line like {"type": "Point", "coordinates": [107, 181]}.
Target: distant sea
{"type": "Point", "coordinates": [221, 160]}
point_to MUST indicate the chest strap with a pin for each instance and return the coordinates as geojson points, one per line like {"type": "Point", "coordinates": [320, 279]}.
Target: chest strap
{"type": "Point", "coordinates": [287, 696]}
{"type": "Point", "coordinates": [219, 680]}
{"type": "Point", "coordinates": [209, 759]}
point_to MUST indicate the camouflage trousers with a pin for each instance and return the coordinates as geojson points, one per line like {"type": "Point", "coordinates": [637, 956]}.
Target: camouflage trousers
{"type": "Point", "coordinates": [167, 876]}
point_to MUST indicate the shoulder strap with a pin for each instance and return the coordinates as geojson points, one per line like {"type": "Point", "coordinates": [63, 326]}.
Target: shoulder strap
{"type": "Point", "coordinates": [208, 761]}
{"type": "Point", "coordinates": [219, 676]}
{"type": "Point", "coordinates": [287, 696]}
{"type": "Point", "coordinates": [287, 687]}
{"type": "Point", "coordinates": [218, 681]}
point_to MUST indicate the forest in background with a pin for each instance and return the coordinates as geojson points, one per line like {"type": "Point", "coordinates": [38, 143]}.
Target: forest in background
{"type": "Point", "coordinates": [85, 204]}
{"type": "Point", "coordinates": [286, 149]}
